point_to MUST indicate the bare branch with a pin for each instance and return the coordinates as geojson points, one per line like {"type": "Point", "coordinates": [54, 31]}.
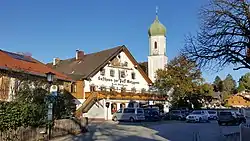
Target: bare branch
{"type": "Point", "coordinates": [224, 36]}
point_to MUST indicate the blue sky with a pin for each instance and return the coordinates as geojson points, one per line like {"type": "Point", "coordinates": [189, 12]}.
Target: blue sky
{"type": "Point", "coordinates": [49, 29]}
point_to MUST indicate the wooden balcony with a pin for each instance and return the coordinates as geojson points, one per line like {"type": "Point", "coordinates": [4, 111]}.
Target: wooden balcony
{"type": "Point", "coordinates": [127, 96]}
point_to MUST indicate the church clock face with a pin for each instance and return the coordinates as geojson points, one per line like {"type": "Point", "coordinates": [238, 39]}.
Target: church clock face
{"type": "Point", "coordinates": [155, 51]}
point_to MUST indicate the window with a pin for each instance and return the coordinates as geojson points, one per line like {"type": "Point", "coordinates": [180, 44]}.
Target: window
{"type": "Point", "coordinates": [92, 88]}
{"type": "Point", "coordinates": [112, 73]}
{"type": "Point", "coordinates": [113, 108]}
{"type": "Point", "coordinates": [119, 111]}
{"type": "Point", "coordinates": [143, 90]}
{"type": "Point", "coordinates": [133, 75]}
{"type": "Point", "coordinates": [122, 105]}
{"type": "Point", "coordinates": [155, 45]}
{"type": "Point", "coordinates": [112, 88]}
{"type": "Point", "coordinates": [119, 56]}
{"type": "Point", "coordinates": [73, 88]}
{"type": "Point", "coordinates": [123, 89]}
{"type": "Point", "coordinates": [103, 88]}
{"type": "Point", "coordinates": [211, 112]}
{"type": "Point", "coordinates": [139, 111]}
{"type": "Point", "coordinates": [125, 64]}
{"type": "Point", "coordinates": [196, 112]}
{"type": "Point", "coordinates": [102, 72]}
{"type": "Point", "coordinates": [122, 74]}
{"type": "Point", "coordinates": [133, 89]}
{"type": "Point", "coordinates": [129, 111]}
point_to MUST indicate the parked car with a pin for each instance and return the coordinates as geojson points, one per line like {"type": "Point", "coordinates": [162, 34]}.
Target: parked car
{"type": "Point", "coordinates": [226, 117]}
{"type": "Point", "coordinates": [242, 118]}
{"type": "Point", "coordinates": [129, 114]}
{"type": "Point", "coordinates": [212, 115]}
{"type": "Point", "coordinates": [152, 114]}
{"type": "Point", "coordinates": [175, 115]}
{"type": "Point", "coordinates": [198, 116]}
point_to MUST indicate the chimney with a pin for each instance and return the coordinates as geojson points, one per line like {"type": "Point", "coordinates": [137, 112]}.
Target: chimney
{"type": "Point", "coordinates": [79, 54]}
{"type": "Point", "coordinates": [55, 61]}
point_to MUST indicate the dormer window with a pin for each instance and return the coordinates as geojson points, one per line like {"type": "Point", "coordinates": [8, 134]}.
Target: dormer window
{"type": "Point", "coordinates": [102, 72]}
{"type": "Point", "coordinates": [155, 45]}
{"type": "Point", "coordinates": [112, 73]}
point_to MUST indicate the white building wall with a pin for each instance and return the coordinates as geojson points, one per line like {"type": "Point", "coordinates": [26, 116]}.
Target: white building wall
{"type": "Point", "coordinates": [98, 80]}
{"type": "Point", "coordinates": [97, 111]}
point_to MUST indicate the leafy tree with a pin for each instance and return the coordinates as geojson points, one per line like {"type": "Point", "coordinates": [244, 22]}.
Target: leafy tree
{"type": "Point", "coordinates": [229, 84]}
{"type": "Point", "coordinates": [224, 36]}
{"type": "Point", "coordinates": [206, 89]}
{"type": "Point", "coordinates": [185, 77]}
{"type": "Point", "coordinates": [218, 84]}
{"type": "Point", "coordinates": [244, 82]}
{"type": "Point", "coordinates": [241, 87]}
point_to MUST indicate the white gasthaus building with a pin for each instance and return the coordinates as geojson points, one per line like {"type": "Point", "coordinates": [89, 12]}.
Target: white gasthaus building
{"type": "Point", "coordinates": [112, 79]}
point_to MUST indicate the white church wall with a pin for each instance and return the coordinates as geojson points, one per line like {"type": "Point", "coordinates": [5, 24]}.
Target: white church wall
{"type": "Point", "coordinates": [161, 45]}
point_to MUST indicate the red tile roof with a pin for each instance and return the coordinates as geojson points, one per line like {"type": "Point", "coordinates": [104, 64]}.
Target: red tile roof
{"type": "Point", "coordinates": [18, 62]}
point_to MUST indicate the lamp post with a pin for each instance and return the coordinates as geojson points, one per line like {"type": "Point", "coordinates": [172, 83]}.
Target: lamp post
{"type": "Point", "coordinates": [50, 79]}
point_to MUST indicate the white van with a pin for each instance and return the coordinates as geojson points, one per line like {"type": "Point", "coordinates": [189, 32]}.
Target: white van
{"type": "Point", "coordinates": [129, 114]}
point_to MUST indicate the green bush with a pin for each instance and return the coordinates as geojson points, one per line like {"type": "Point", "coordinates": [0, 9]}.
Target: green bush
{"type": "Point", "coordinates": [30, 109]}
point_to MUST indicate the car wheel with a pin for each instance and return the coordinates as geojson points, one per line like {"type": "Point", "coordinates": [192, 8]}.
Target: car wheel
{"type": "Point", "coordinates": [115, 119]}
{"type": "Point", "coordinates": [220, 123]}
{"type": "Point", "coordinates": [179, 118]}
{"type": "Point", "coordinates": [200, 119]}
{"type": "Point", "coordinates": [131, 119]}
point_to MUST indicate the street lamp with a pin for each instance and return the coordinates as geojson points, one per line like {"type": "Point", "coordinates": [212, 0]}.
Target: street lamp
{"type": "Point", "coordinates": [50, 79]}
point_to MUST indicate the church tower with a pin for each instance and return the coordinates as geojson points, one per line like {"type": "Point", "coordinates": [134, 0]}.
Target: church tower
{"type": "Point", "coordinates": [157, 58]}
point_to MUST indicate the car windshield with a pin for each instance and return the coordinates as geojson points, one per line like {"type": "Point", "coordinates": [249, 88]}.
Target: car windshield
{"type": "Point", "coordinates": [225, 113]}
{"type": "Point", "coordinates": [175, 112]}
{"type": "Point", "coordinates": [139, 111]}
{"type": "Point", "coordinates": [196, 112]}
{"type": "Point", "coordinates": [211, 112]}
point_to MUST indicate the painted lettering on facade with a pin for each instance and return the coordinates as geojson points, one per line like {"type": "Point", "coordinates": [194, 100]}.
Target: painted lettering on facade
{"type": "Point", "coordinates": [117, 81]}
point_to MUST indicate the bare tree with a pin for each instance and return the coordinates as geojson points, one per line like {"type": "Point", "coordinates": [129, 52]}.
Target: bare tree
{"type": "Point", "coordinates": [224, 36]}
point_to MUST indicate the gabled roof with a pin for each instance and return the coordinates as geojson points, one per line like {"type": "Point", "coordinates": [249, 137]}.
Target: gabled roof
{"type": "Point", "coordinates": [27, 64]}
{"type": "Point", "coordinates": [90, 64]}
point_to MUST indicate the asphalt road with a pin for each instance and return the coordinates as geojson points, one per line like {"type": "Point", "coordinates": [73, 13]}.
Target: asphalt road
{"type": "Point", "coordinates": [166, 131]}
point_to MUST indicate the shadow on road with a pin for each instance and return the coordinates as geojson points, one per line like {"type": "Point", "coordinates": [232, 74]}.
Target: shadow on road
{"type": "Point", "coordinates": [112, 132]}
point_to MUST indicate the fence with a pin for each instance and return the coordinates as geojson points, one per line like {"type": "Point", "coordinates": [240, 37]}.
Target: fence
{"type": "Point", "coordinates": [60, 128]}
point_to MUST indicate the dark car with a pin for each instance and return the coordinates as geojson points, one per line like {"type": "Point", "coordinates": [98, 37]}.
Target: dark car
{"type": "Point", "coordinates": [230, 117]}
{"type": "Point", "coordinates": [242, 118]}
{"type": "Point", "coordinates": [176, 115]}
{"type": "Point", "coordinates": [152, 114]}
